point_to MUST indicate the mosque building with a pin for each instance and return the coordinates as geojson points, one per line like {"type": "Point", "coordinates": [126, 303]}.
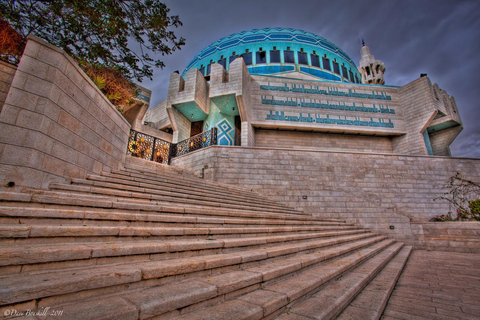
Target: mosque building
{"type": "Point", "coordinates": [284, 87]}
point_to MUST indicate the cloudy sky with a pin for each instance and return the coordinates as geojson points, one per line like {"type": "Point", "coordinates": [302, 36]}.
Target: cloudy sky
{"type": "Point", "coordinates": [437, 37]}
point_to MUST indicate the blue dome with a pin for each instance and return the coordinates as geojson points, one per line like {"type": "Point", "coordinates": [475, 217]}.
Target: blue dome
{"type": "Point", "coordinates": [270, 51]}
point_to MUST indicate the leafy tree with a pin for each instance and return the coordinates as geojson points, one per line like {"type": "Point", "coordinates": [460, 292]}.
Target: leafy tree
{"type": "Point", "coordinates": [112, 33]}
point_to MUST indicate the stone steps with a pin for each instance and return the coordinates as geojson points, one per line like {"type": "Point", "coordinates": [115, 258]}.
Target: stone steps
{"type": "Point", "coordinates": [176, 175]}
{"type": "Point", "coordinates": [46, 230]}
{"type": "Point", "coordinates": [176, 181]}
{"type": "Point", "coordinates": [167, 299]}
{"type": "Point", "coordinates": [124, 203]}
{"type": "Point", "coordinates": [149, 242]}
{"type": "Point", "coordinates": [336, 295]}
{"type": "Point", "coordinates": [15, 214]}
{"type": "Point", "coordinates": [165, 197]}
{"type": "Point", "coordinates": [158, 183]}
{"type": "Point", "coordinates": [21, 253]}
{"type": "Point", "coordinates": [273, 298]}
{"type": "Point", "coordinates": [40, 284]}
{"type": "Point", "coordinates": [372, 300]}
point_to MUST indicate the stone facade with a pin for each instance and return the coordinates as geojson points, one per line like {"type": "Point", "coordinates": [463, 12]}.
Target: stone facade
{"type": "Point", "coordinates": [374, 190]}
{"type": "Point", "coordinates": [418, 118]}
{"type": "Point", "coordinates": [55, 123]}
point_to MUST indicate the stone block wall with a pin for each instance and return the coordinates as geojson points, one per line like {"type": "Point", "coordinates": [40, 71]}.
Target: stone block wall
{"type": "Point", "coordinates": [325, 141]}
{"type": "Point", "coordinates": [449, 236]}
{"type": "Point", "coordinates": [7, 71]}
{"type": "Point", "coordinates": [373, 190]}
{"type": "Point", "coordinates": [56, 124]}
{"type": "Point", "coordinates": [158, 116]}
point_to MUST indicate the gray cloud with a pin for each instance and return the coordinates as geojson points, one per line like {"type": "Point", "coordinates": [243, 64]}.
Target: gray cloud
{"type": "Point", "coordinates": [437, 37]}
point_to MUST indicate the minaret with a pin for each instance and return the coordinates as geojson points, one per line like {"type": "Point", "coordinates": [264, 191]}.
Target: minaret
{"type": "Point", "coordinates": [372, 70]}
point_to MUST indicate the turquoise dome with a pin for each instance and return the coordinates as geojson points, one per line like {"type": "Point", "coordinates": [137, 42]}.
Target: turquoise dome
{"type": "Point", "coordinates": [271, 51]}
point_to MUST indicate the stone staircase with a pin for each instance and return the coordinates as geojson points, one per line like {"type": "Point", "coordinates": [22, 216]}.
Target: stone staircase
{"type": "Point", "coordinates": [152, 241]}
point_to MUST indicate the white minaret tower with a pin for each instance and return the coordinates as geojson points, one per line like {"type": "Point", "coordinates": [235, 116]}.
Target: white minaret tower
{"type": "Point", "coordinates": [372, 70]}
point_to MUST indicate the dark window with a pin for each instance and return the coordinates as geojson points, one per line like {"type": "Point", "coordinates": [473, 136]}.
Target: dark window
{"type": "Point", "coordinates": [232, 57]}
{"type": "Point", "coordinates": [202, 70]}
{"type": "Point", "coordinates": [356, 79]}
{"type": "Point", "coordinates": [275, 56]}
{"type": "Point", "coordinates": [247, 57]}
{"type": "Point", "coordinates": [315, 60]}
{"type": "Point", "coordinates": [223, 62]}
{"type": "Point", "coordinates": [209, 67]}
{"type": "Point", "coordinates": [302, 58]}
{"type": "Point", "coordinates": [336, 68]}
{"type": "Point", "coordinates": [345, 72]}
{"type": "Point", "coordinates": [326, 64]}
{"type": "Point", "coordinates": [261, 57]}
{"type": "Point", "coordinates": [350, 74]}
{"type": "Point", "coordinates": [288, 56]}
{"type": "Point", "coordinates": [368, 70]}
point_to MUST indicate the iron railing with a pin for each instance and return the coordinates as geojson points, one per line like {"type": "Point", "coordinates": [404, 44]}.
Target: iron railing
{"type": "Point", "coordinates": [144, 146]}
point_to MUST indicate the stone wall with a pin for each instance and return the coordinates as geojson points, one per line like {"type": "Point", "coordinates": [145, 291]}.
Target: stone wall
{"type": "Point", "coordinates": [7, 71]}
{"type": "Point", "coordinates": [56, 123]}
{"type": "Point", "coordinates": [326, 141]}
{"type": "Point", "coordinates": [450, 236]}
{"type": "Point", "coordinates": [376, 191]}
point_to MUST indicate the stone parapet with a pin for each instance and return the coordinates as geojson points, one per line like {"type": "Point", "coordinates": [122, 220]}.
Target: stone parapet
{"type": "Point", "coordinates": [56, 124]}
{"type": "Point", "coordinates": [458, 236]}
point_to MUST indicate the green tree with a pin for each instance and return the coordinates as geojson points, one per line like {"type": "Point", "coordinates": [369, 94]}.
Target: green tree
{"type": "Point", "coordinates": [112, 33]}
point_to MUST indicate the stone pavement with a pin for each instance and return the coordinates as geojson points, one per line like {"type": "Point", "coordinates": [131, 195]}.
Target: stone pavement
{"type": "Point", "coordinates": [437, 285]}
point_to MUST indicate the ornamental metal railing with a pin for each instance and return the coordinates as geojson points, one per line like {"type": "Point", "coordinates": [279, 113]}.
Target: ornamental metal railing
{"type": "Point", "coordinates": [144, 146]}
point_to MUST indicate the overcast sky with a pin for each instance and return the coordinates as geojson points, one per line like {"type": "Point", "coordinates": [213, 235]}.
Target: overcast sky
{"type": "Point", "coordinates": [437, 37]}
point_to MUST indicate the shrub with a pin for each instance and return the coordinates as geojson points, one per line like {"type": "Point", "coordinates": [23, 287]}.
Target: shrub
{"type": "Point", "coordinates": [119, 90]}
{"type": "Point", "coordinates": [474, 206]}
{"type": "Point", "coordinates": [461, 194]}
{"type": "Point", "coordinates": [12, 43]}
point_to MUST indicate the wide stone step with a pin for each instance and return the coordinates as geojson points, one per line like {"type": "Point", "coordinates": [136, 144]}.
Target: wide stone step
{"type": "Point", "coordinates": [275, 295]}
{"type": "Point", "coordinates": [167, 298]}
{"type": "Point", "coordinates": [160, 185]}
{"type": "Point", "coordinates": [21, 254]}
{"type": "Point", "coordinates": [171, 197]}
{"type": "Point", "coordinates": [329, 302]}
{"type": "Point", "coordinates": [87, 200]}
{"type": "Point", "coordinates": [371, 301]}
{"type": "Point", "coordinates": [19, 214]}
{"type": "Point", "coordinates": [91, 230]}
